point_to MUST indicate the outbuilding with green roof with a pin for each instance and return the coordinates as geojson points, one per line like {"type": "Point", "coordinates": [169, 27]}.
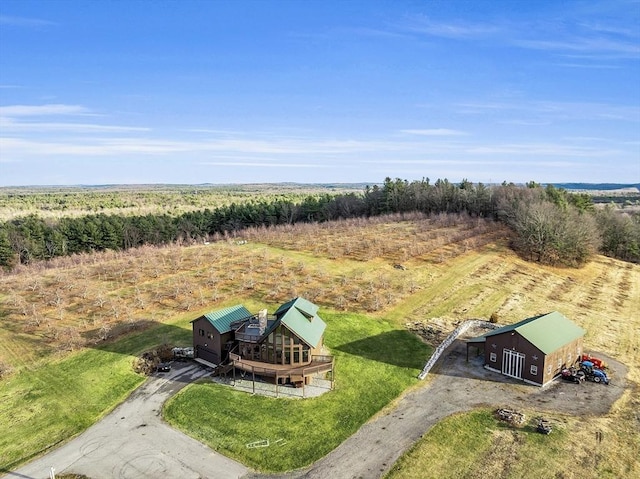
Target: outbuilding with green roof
{"type": "Point", "coordinates": [535, 349]}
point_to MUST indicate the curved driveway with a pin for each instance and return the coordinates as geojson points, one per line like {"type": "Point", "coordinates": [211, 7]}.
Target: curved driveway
{"type": "Point", "coordinates": [134, 442]}
{"type": "Point", "coordinates": [454, 385]}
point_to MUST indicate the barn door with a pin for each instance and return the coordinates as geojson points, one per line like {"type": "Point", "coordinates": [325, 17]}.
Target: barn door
{"type": "Point", "coordinates": [512, 363]}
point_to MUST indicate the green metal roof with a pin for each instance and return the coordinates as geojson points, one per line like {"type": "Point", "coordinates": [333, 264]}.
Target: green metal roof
{"type": "Point", "coordinates": [300, 316]}
{"type": "Point", "coordinates": [300, 303]}
{"type": "Point", "coordinates": [547, 332]}
{"type": "Point", "coordinates": [222, 318]}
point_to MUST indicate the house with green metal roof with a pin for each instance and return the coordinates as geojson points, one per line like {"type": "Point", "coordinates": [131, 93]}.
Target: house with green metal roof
{"type": "Point", "coordinates": [213, 334]}
{"type": "Point", "coordinates": [534, 350]}
{"type": "Point", "coordinates": [285, 347]}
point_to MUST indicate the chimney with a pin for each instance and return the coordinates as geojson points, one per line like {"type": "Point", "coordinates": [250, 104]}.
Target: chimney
{"type": "Point", "coordinates": [262, 320]}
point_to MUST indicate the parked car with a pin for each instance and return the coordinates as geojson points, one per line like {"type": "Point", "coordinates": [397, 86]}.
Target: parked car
{"type": "Point", "coordinates": [164, 367]}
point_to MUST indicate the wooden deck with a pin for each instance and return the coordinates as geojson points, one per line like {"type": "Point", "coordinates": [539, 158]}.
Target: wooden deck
{"type": "Point", "coordinates": [282, 370]}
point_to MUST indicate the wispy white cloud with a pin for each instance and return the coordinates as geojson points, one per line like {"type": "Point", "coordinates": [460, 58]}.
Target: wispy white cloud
{"type": "Point", "coordinates": [152, 146]}
{"type": "Point", "coordinates": [536, 111]}
{"type": "Point", "coordinates": [377, 32]}
{"type": "Point", "coordinates": [593, 46]}
{"type": "Point", "coordinates": [300, 151]}
{"type": "Point", "coordinates": [564, 35]}
{"type": "Point", "coordinates": [434, 132]}
{"type": "Point", "coordinates": [543, 149]}
{"type": "Point", "coordinates": [42, 110]}
{"type": "Point", "coordinates": [265, 165]}
{"type": "Point", "coordinates": [9, 20]}
{"type": "Point", "coordinates": [589, 65]}
{"type": "Point", "coordinates": [9, 125]}
{"type": "Point", "coordinates": [454, 30]}
{"type": "Point", "coordinates": [20, 119]}
{"type": "Point", "coordinates": [475, 162]}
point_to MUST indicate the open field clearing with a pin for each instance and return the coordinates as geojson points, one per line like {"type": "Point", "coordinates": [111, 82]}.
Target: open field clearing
{"type": "Point", "coordinates": [83, 319]}
{"type": "Point", "coordinates": [61, 202]}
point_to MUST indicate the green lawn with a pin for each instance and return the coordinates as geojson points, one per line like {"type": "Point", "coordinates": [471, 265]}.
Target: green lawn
{"type": "Point", "coordinates": [44, 406]}
{"type": "Point", "coordinates": [375, 362]}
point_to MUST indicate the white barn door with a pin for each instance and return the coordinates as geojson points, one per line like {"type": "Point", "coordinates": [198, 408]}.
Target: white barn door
{"type": "Point", "coordinates": [512, 363]}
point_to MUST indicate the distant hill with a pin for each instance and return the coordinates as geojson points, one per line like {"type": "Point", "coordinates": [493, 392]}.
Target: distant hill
{"type": "Point", "coordinates": [597, 186]}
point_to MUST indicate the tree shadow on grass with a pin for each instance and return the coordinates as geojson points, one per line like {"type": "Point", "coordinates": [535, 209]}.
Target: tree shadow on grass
{"type": "Point", "coordinates": [397, 348]}
{"type": "Point", "coordinates": [147, 336]}
{"type": "Point", "coordinates": [132, 338]}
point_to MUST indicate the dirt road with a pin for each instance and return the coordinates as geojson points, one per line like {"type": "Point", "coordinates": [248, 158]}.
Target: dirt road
{"type": "Point", "coordinates": [134, 443]}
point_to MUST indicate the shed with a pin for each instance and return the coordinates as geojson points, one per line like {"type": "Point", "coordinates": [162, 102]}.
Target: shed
{"type": "Point", "coordinates": [534, 350]}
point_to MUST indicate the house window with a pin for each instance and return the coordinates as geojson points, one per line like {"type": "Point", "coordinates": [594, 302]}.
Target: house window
{"type": "Point", "coordinates": [534, 370]}
{"type": "Point", "coordinates": [493, 357]}
{"type": "Point", "coordinates": [559, 362]}
{"type": "Point", "coordinates": [202, 332]}
{"type": "Point", "coordinates": [209, 335]}
{"type": "Point", "coordinates": [549, 369]}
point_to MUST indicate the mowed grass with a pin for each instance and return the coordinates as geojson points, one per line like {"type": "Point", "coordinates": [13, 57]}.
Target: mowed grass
{"type": "Point", "coordinates": [42, 407]}
{"type": "Point", "coordinates": [375, 362]}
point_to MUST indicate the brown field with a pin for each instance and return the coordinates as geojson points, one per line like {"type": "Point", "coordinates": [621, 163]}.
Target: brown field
{"type": "Point", "coordinates": [454, 268]}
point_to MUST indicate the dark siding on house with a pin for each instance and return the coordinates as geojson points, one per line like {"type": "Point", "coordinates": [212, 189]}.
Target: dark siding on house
{"type": "Point", "coordinates": [206, 341]}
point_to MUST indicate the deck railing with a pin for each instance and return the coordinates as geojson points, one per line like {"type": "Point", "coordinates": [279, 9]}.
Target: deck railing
{"type": "Point", "coordinates": [248, 338]}
{"type": "Point", "coordinates": [325, 364]}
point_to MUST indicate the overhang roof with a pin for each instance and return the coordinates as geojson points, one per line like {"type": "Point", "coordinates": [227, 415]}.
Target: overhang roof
{"type": "Point", "coordinates": [222, 318]}
{"type": "Point", "coordinates": [300, 316]}
{"type": "Point", "coordinates": [547, 332]}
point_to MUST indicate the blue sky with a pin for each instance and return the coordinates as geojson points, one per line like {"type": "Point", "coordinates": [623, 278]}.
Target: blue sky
{"type": "Point", "coordinates": [97, 92]}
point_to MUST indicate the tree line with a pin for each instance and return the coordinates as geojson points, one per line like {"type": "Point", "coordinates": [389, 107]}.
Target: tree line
{"type": "Point", "coordinates": [551, 225]}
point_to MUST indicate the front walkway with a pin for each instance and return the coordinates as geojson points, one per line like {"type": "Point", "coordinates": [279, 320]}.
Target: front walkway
{"type": "Point", "coordinates": [317, 387]}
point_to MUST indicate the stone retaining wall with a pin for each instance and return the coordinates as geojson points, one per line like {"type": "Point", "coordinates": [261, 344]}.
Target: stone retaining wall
{"type": "Point", "coordinates": [462, 327]}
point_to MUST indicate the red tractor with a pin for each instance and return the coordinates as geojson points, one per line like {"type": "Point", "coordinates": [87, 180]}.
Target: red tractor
{"type": "Point", "coordinates": [598, 363]}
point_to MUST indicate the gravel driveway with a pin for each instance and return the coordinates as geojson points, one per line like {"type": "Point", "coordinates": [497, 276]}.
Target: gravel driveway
{"type": "Point", "coordinates": [133, 442]}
